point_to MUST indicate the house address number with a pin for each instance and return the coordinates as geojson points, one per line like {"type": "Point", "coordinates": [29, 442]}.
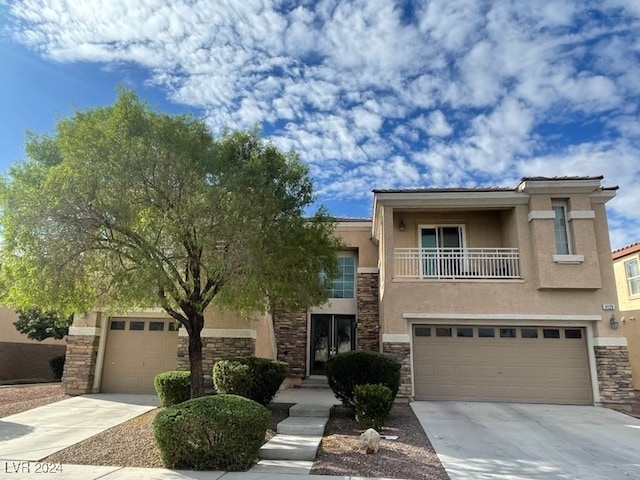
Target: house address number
{"type": "Point", "coordinates": [608, 306]}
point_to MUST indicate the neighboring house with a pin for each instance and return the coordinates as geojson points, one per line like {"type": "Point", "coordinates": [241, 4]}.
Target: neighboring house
{"type": "Point", "coordinates": [494, 294]}
{"type": "Point", "coordinates": [626, 267]}
{"type": "Point", "coordinates": [22, 358]}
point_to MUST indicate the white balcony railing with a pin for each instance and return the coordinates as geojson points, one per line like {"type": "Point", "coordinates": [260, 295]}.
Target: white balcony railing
{"type": "Point", "coordinates": [452, 263]}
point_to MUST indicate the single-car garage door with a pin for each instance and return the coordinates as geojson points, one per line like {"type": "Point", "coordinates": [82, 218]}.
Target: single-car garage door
{"type": "Point", "coordinates": [137, 350]}
{"type": "Point", "coordinates": [501, 364]}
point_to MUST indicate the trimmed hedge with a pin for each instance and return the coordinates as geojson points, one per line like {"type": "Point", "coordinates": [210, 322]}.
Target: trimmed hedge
{"type": "Point", "coordinates": [372, 404]}
{"type": "Point", "coordinates": [266, 377]}
{"type": "Point", "coordinates": [359, 367]}
{"type": "Point", "coordinates": [173, 387]}
{"type": "Point", "coordinates": [221, 432]}
{"type": "Point", "coordinates": [57, 366]}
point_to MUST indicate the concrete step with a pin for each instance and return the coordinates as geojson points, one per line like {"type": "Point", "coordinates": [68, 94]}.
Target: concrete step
{"type": "Point", "coordinates": [302, 426]}
{"type": "Point", "coordinates": [314, 382]}
{"type": "Point", "coordinates": [291, 467]}
{"type": "Point", "coordinates": [310, 410]}
{"type": "Point", "coordinates": [291, 447]}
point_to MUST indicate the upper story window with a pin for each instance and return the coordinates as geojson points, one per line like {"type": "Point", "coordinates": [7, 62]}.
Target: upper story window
{"type": "Point", "coordinates": [442, 237]}
{"type": "Point", "coordinates": [561, 227]}
{"type": "Point", "coordinates": [633, 276]}
{"type": "Point", "coordinates": [344, 284]}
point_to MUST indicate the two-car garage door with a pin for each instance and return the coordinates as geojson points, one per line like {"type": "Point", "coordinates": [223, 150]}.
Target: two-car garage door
{"type": "Point", "coordinates": [501, 363]}
{"type": "Point", "coordinates": [137, 350]}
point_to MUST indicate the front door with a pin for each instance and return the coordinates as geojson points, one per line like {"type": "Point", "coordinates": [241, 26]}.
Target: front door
{"type": "Point", "coordinates": [330, 334]}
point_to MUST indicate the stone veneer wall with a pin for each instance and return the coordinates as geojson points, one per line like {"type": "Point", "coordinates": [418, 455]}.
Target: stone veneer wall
{"type": "Point", "coordinates": [214, 349]}
{"type": "Point", "coordinates": [27, 360]}
{"type": "Point", "coordinates": [614, 376]}
{"type": "Point", "coordinates": [291, 341]}
{"type": "Point", "coordinates": [368, 313]}
{"type": "Point", "coordinates": [80, 364]}
{"type": "Point", "coordinates": [402, 352]}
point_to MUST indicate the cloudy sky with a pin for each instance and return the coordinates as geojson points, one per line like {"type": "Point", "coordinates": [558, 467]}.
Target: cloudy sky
{"type": "Point", "coordinates": [371, 93]}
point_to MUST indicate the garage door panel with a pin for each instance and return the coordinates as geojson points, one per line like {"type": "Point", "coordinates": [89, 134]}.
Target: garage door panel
{"type": "Point", "coordinates": [541, 370]}
{"type": "Point", "coordinates": [134, 357]}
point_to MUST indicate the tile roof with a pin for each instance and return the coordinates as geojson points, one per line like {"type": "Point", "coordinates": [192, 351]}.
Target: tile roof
{"type": "Point", "coordinates": [624, 251]}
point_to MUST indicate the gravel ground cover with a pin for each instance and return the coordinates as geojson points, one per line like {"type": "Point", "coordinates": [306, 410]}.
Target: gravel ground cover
{"type": "Point", "coordinates": [131, 444]}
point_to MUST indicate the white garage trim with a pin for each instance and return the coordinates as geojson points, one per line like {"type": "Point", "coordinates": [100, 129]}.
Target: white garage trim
{"type": "Point", "coordinates": [396, 338]}
{"type": "Point", "coordinates": [89, 331]}
{"type": "Point", "coordinates": [222, 333]}
{"type": "Point", "coordinates": [610, 342]}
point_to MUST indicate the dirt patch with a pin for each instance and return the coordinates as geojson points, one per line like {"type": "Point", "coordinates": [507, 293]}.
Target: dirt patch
{"type": "Point", "coordinates": [411, 456]}
{"type": "Point", "coordinates": [19, 398]}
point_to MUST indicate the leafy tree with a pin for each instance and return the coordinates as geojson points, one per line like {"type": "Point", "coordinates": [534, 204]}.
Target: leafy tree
{"type": "Point", "coordinates": [39, 325]}
{"type": "Point", "coordinates": [125, 206]}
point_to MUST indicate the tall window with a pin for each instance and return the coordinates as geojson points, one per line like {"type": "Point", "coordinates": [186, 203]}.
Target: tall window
{"type": "Point", "coordinates": [561, 227]}
{"type": "Point", "coordinates": [633, 276]}
{"type": "Point", "coordinates": [344, 284]}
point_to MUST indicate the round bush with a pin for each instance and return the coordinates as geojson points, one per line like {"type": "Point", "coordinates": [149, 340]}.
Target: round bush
{"type": "Point", "coordinates": [57, 366]}
{"type": "Point", "coordinates": [359, 367]}
{"type": "Point", "coordinates": [173, 387]}
{"type": "Point", "coordinates": [232, 377]}
{"type": "Point", "coordinates": [372, 405]}
{"type": "Point", "coordinates": [221, 432]}
{"type": "Point", "coordinates": [267, 375]}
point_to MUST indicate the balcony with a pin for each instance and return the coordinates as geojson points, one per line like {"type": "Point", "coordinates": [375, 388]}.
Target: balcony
{"type": "Point", "coordinates": [457, 263]}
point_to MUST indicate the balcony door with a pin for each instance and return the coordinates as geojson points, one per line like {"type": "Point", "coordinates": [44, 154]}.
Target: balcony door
{"type": "Point", "coordinates": [330, 334]}
{"type": "Point", "coordinates": [441, 252]}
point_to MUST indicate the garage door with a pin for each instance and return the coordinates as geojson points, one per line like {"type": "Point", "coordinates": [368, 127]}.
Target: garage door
{"type": "Point", "coordinates": [137, 350]}
{"type": "Point", "coordinates": [501, 363]}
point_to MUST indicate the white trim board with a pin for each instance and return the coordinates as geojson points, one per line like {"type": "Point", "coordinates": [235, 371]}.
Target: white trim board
{"type": "Point", "coordinates": [499, 316]}
{"type": "Point", "coordinates": [88, 331]}
{"type": "Point", "coordinates": [610, 342]}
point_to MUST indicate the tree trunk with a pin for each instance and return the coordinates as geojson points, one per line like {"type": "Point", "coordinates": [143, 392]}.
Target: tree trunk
{"type": "Point", "coordinates": [195, 357]}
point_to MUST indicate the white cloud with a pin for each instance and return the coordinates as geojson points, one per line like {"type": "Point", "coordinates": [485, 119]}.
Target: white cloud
{"type": "Point", "coordinates": [459, 91]}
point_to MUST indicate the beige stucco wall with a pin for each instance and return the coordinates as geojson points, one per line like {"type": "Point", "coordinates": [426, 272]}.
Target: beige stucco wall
{"type": "Point", "coordinates": [630, 326]}
{"type": "Point", "coordinates": [8, 332]}
{"type": "Point", "coordinates": [548, 290]}
{"type": "Point", "coordinates": [357, 237]}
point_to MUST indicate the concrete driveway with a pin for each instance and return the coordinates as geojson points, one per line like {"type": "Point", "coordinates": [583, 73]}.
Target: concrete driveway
{"type": "Point", "coordinates": [477, 441]}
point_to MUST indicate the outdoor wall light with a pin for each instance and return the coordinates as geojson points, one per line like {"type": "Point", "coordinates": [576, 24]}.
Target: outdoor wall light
{"type": "Point", "coordinates": [401, 226]}
{"type": "Point", "coordinates": [613, 321]}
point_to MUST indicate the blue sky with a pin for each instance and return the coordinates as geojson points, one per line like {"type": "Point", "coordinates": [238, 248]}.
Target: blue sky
{"type": "Point", "coordinates": [371, 93]}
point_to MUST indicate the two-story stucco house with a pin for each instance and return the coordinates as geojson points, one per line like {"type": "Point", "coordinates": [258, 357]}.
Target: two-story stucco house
{"type": "Point", "coordinates": [494, 294]}
{"type": "Point", "coordinates": [626, 267]}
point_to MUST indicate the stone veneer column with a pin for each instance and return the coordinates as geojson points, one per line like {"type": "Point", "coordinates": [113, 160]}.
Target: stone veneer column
{"type": "Point", "coordinates": [402, 352]}
{"type": "Point", "coordinates": [290, 330]}
{"type": "Point", "coordinates": [368, 310]}
{"type": "Point", "coordinates": [217, 344]}
{"type": "Point", "coordinates": [614, 376]}
{"type": "Point", "coordinates": [80, 362]}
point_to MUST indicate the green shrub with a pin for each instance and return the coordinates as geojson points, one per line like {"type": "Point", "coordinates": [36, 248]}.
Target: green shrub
{"type": "Point", "coordinates": [57, 366]}
{"type": "Point", "coordinates": [372, 405]}
{"type": "Point", "coordinates": [173, 387]}
{"type": "Point", "coordinates": [220, 432]}
{"type": "Point", "coordinates": [266, 375]}
{"type": "Point", "coordinates": [232, 377]}
{"type": "Point", "coordinates": [359, 367]}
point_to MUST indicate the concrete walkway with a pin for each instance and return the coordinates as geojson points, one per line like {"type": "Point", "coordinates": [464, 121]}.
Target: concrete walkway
{"type": "Point", "coordinates": [42, 431]}
{"type": "Point", "coordinates": [510, 441]}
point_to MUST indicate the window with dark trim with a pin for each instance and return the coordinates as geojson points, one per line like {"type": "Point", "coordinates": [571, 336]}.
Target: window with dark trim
{"type": "Point", "coordinates": [529, 332]}
{"type": "Point", "coordinates": [507, 333]}
{"type": "Point", "coordinates": [486, 332]}
{"type": "Point", "coordinates": [464, 332]}
{"type": "Point", "coordinates": [572, 333]}
{"type": "Point", "coordinates": [443, 332]}
{"type": "Point", "coordinates": [551, 333]}
{"type": "Point", "coordinates": [136, 325]}
{"type": "Point", "coordinates": [423, 332]}
{"type": "Point", "coordinates": [156, 326]}
{"type": "Point", "coordinates": [117, 325]}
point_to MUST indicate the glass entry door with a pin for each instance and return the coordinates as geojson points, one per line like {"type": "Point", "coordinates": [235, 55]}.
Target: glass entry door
{"type": "Point", "coordinates": [330, 334]}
